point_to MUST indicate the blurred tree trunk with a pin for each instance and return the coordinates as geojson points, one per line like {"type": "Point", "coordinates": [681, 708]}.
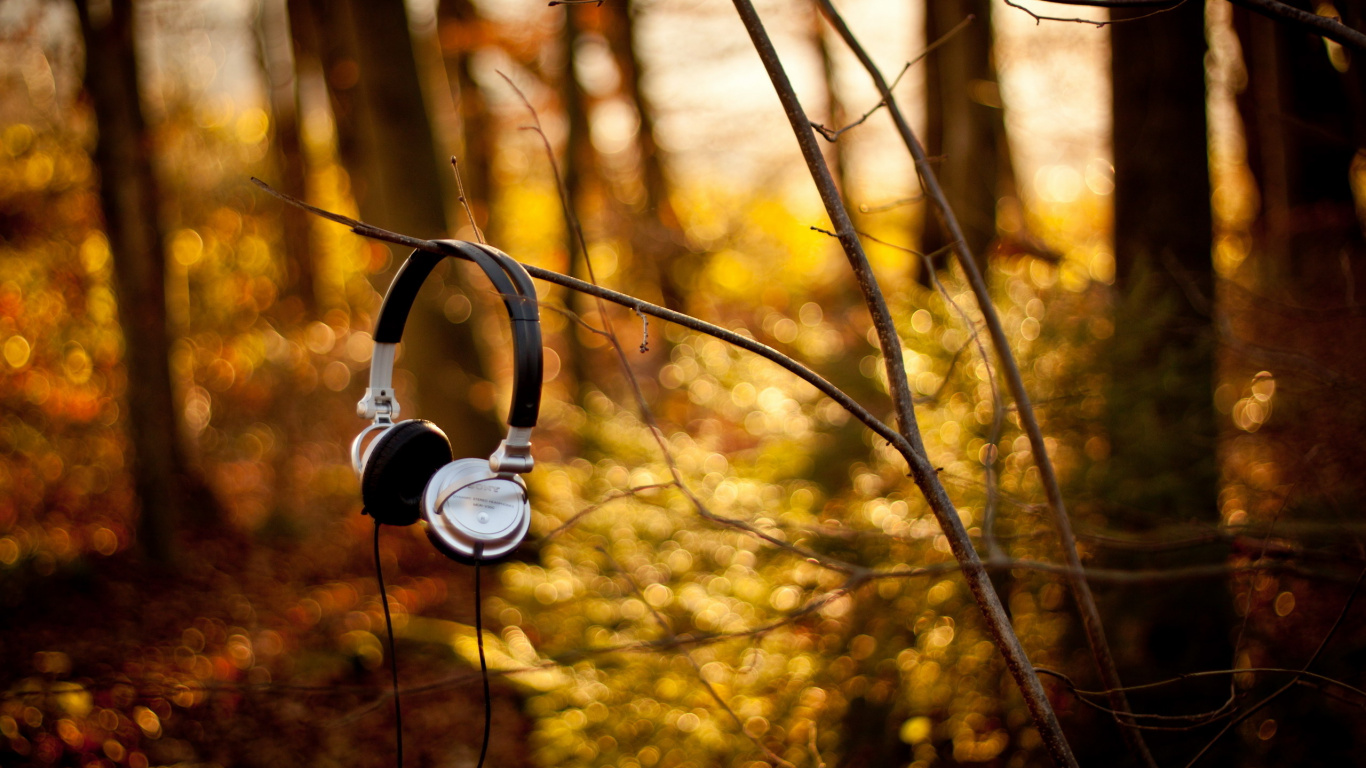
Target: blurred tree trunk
{"type": "Point", "coordinates": [1160, 417]}
{"type": "Point", "coordinates": [965, 126]}
{"type": "Point", "coordinates": [1162, 430]}
{"type": "Point", "coordinates": [659, 239]}
{"type": "Point", "coordinates": [397, 179]}
{"type": "Point", "coordinates": [322, 34]}
{"type": "Point", "coordinates": [278, 68]}
{"type": "Point", "coordinates": [579, 169]}
{"type": "Point", "coordinates": [460, 33]}
{"type": "Point", "coordinates": [1293, 311]}
{"type": "Point", "coordinates": [129, 201]}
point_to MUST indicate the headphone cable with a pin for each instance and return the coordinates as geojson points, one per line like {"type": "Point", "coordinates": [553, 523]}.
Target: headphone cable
{"type": "Point", "coordinates": [483, 665]}
{"type": "Point", "coordinates": [393, 655]}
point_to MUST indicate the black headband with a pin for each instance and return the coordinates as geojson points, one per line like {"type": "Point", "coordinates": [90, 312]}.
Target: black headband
{"type": "Point", "coordinates": [511, 282]}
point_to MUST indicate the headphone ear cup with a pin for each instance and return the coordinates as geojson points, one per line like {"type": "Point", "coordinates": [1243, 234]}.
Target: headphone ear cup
{"type": "Point", "coordinates": [401, 462]}
{"type": "Point", "coordinates": [472, 513]}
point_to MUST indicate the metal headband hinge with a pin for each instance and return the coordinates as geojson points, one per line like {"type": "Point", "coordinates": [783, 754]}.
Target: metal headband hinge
{"type": "Point", "coordinates": [378, 405]}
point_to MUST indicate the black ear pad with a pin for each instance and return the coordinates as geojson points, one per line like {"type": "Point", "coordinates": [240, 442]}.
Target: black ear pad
{"type": "Point", "coordinates": [401, 462]}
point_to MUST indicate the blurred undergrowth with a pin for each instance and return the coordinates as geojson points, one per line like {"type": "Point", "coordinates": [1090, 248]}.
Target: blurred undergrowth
{"type": "Point", "coordinates": [641, 633]}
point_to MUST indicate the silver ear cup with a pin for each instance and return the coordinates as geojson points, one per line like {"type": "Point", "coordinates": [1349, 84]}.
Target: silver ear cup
{"type": "Point", "coordinates": [470, 511]}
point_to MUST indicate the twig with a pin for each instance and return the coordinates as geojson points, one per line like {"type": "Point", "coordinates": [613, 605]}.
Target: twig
{"type": "Point", "coordinates": [465, 201]}
{"type": "Point", "coordinates": [644, 332]}
{"type": "Point", "coordinates": [678, 318]}
{"type": "Point", "coordinates": [1213, 673]}
{"type": "Point", "coordinates": [833, 135]}
{"type": "Point", "coordinates": [1081, 591]}
{"type": "Point", "coordinates": [1162, 7]}
{"type": "Point", "coordinates": [890, 206]}
{"type": "Point", "coordinates": [1327, 27]}
{"type": "Point", "coordinates": [1252, 710]}
{"type": "Point", "coordinates": [996, 621]}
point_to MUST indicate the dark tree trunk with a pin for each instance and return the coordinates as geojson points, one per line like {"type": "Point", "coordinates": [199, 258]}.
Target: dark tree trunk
{"type": "Point", "coordinates": [403, 190]}
{"type": "Point", "coordinates": [965, 126]}
{"type": "Point", "coordinates": [129, 201]}
{"type": "Point", "coordinates": [1162, 435]}
{"type": "Point", "coordinates": [1160, 417]}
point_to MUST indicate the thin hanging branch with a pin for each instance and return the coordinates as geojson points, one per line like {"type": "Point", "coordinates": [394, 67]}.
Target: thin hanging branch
{"type": "Point", "coordinates": [997, 622]}
{"type": "Point", "coordinates": [639, 305]}
{"type": "Point", "coordinates": [1081, 590]}
{"type": "Point", "coordinates": [1327, 27]}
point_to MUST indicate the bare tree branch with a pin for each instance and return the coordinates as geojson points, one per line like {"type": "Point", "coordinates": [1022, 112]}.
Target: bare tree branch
{"type": "Point", "coordinates": [997, 622]}
{"type": "Point", "coordinates": [1327, 27]}
{"type": "Point", "coordinates": [1081, 591]}
{"type": "Point", "coordinates": [639, 305]}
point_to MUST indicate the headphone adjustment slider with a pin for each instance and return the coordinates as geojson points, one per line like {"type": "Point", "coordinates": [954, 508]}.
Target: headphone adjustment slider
{"type": "Point", "coordinates": [514, 453]}
{"type": "Point", "coordinates": [378, 405]}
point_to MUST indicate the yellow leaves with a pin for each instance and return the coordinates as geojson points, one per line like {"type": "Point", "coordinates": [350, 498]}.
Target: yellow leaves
{"type": "Point", "coordinates": [16, 351]}
{"type": "Point", "coordinates": [916, 730]}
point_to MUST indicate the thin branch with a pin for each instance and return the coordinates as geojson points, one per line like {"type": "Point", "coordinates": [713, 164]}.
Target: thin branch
{"type": "Point", "coordinates": [890, 206]}
{"type": "Point", "coordinates": [1097, 23]}
{"type": "Point", "coordinates": [465, 201]}
{"type": "Point", "coordinates": [1219, 673]}
{"type": "Point", "coordinates": [1081, 591]}
{"type": "Point", "coordinates": [1328, 27]}
{"type": "Point", "coordinates": [639, 305]}
{"type": "Point", "coordinates": [832, 134]}
{"type": "Point", "coordinates": [996, 621]}
{"type": "Point", "coordinates": [1252, 710]}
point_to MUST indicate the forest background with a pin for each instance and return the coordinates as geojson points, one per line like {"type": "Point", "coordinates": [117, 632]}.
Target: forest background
{"type": "Point", "coordinates": [724, 567]}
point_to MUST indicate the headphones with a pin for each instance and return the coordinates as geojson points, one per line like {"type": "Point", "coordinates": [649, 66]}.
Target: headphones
{"type": "Point", "coordinates": [472, 509]}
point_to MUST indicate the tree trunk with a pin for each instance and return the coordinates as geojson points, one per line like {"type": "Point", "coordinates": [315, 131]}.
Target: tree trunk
{"type": "Point", "coordinates": [404, 191]}
{"type": "Point", "coordinates": [579, 168]}
{"type": "Point", "coordinates": [278, 68]}
{"type": "Point", "coordinates": [659, 239]}
{"type": "Point", "coordinates": [129, 202]}
{"type": "Point", "coordinates": [1160, 417]}
{"type": "Point", "coordinates": [1164, 271]}
{"type": "Point", "coordinates": [965, 126]}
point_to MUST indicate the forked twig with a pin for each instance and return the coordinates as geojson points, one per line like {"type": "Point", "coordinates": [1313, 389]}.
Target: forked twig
{"type": "Point", "coordinates": [832, 134]}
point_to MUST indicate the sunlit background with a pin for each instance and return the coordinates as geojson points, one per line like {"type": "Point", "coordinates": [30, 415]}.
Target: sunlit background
{"type": "Point", "coordinates": [651, 622]}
